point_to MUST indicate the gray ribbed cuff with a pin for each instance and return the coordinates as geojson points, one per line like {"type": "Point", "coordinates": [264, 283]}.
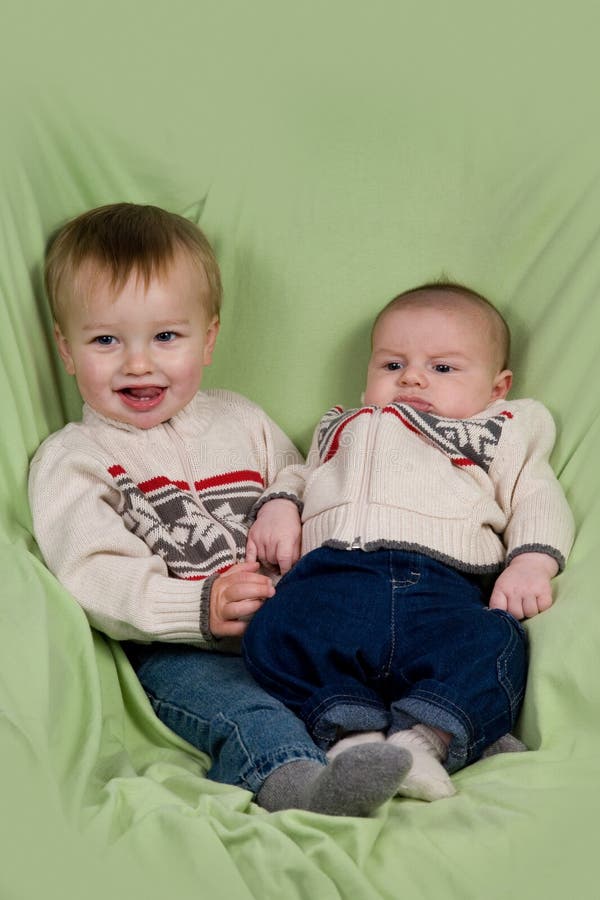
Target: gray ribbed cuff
{"type": "Point", "coordinates": [280, 496]}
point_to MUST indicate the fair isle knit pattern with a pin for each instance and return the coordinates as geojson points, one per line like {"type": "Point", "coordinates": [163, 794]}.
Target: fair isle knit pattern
{"type": "Point", "coordinates": [472, 493]}
{"type": "Point", "coordinates": [465, 442]}
{"type": "Point", "coordinates": [182, 525]}
{"type": "Point", "coordinates": [331, 430]}
{"type": "Point", "coordinates": [137, 523]}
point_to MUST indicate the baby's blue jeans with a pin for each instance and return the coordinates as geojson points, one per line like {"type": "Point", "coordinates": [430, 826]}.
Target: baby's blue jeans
{"type": "Point", "coordinates": [210, 700]}
{"type": "Point", "coordinates": [381, 640]}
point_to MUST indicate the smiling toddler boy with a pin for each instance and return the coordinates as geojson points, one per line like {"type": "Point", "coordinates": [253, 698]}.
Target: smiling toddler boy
{"type": "Point", "coordinates": [142, 508]}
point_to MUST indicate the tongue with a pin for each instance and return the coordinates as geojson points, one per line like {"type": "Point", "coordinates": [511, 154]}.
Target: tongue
{"type": "Point", "coordinates": [144, 393]}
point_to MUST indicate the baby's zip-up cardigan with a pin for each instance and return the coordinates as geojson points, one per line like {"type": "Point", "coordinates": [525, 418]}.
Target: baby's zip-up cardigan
{"type": "Point", "coordinates": [137, 523]}
{"type": "Point", "coordinates": [472, 493]}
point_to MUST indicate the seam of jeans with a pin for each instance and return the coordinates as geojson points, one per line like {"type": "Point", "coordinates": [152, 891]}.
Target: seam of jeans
{"type": "Point", "coordinates": [392, 599]}
{"type": "Point", "coordinates": [514, 697]}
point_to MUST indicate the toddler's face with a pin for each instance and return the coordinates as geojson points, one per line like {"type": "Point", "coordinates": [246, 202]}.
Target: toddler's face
{"type": "Point", "coordinates": [438, 360]}
{"type": "Point", "coordinates": [138, 355]}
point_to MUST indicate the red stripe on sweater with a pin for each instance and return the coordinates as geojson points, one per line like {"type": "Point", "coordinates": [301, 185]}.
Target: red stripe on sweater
{"type": "Point", "coordinates": [161, 481]}
{"type": "Point", "coordinates": [335, 442]}
{"type": "Point", "coordinates": [204, 577]}
{"type": "Point", "coordinates": [230, 478]}
{"type": "Point", "coordinates": [409, 425]}
{"type": "Point", "coordinates": [459, 461]}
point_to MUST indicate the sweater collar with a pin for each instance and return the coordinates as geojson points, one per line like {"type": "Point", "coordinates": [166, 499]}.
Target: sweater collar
{"type": "Point", "coordinates": [197, 410]}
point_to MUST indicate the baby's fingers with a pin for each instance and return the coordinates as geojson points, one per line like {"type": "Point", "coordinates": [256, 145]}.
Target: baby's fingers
{"type": "Point", "coordinates": [536, 604]}
{"type": "Point", "coordinates": [241, 609]}
{"type": "Point", "coordinates": [498, 600]}
{"type": "Point", "coordinates": [249, 586]}
{"type": "Point", "coordinates": [251, 551]}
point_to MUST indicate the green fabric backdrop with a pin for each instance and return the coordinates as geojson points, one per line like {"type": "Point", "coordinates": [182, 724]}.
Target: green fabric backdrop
{"type": "Point", "coordinates": [335, 153]}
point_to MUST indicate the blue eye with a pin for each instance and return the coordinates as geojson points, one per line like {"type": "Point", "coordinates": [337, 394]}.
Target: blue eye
{"type": "Point", "coordinates": [105, 340]}
{"type": "Point", "coordinates": [164, 337]}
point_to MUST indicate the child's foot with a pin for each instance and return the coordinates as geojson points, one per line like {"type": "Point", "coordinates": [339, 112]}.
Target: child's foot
{"type": "Point", "coordinates": [353, 740]}
{"type": "Point", "coordinates": [427, 778]}
{"type": "Point", "coordinates": [355, 783]}
{"type": "Point", "coordinates": [359, 780]}
{"type": "Point", "coordinates": [508, 743]}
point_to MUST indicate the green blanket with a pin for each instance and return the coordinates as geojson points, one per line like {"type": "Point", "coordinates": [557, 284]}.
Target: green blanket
{"type": "Point", "coordinates": [335, 153]}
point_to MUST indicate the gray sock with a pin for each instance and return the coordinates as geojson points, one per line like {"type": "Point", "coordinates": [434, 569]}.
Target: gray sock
{"type": "Point", "coordinates": [355, 783]}
{"type": "Point", "coordinates": [285, 786]}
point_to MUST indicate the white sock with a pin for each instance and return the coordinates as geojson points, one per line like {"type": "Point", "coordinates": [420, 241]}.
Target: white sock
{"type": "Point", "coordinates": [427, 778]}
{"type": "Point", "coordinates": [353, 739]}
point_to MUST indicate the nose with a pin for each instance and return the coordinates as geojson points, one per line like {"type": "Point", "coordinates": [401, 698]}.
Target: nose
{"type": "Point", "coordinates": [413, 375]}
{"type": "Point", "coordinates": [138, 361]}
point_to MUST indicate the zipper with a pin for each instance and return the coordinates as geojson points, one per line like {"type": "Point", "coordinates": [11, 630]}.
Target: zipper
{"type": "Point", "coordinates": [189, 476]}
{"type": "Point", "coordinates": [365, 480]}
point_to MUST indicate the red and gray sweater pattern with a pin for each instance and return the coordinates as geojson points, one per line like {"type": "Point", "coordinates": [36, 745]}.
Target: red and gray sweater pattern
{"type": "Point", "coordinates": [466, 442]}
{"type": "Point", "coordinates": [472, 493]}
{"type": "Point", "coordinates": [198, 530]}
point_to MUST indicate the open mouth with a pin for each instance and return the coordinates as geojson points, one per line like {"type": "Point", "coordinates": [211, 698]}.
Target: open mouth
{"type": "Point", "coordinates": [142, 398]}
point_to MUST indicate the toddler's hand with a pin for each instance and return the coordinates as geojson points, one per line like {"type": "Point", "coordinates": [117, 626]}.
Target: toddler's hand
{"type": "Point", "coordinates": [275, 536]}
{"type": "Point", "coordinates": [234, 595]}
{"type": "Point", "coordinates": [524, 589]}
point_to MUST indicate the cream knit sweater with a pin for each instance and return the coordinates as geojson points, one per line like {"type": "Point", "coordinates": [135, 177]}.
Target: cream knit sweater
{"type": "Point", "coordinates": [137, 523]}
{"type": "Point", "coordinates": [472, 493]}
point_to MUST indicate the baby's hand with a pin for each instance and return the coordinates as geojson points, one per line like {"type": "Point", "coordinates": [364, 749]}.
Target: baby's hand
{"type": "Point", "coordinates": [236, 595]}
{"type": "Point", "coordinates": [275, 536]}
{"type": "Point", "coordinates": [524, 589]}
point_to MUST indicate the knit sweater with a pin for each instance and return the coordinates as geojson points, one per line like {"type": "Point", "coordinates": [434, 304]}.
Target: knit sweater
{"type": "Point", "coordinates": [472, 493]}
{"type": "Point", "coordinates": [138, 523]}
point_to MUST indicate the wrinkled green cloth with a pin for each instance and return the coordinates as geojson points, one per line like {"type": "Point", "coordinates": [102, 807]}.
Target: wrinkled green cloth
{"type": "Point", "coordinates": [335, 154]}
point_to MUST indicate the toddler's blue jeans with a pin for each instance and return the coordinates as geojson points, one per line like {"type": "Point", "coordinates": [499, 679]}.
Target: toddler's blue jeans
{"type": "Point", "coordinates": [381, 640]}
{"type": "Point", "coordinates": [210, 700]}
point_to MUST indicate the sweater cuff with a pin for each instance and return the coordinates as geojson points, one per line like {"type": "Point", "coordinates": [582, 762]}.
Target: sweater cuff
{"type": "Point", "coordinates": [538, 548]}
{"type": "Point", "coordinates": [205, 632]}
{"type": "Point", "coordinates": [209, 641]}
{"type": "Point", "coordinates": [282, 495]}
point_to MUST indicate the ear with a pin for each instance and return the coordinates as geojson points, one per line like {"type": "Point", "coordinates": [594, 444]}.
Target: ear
{"type": "Point", "coordinates": [64, 349]}
{"type": "Point", "coordinates": [211, 339]}
{"type": "Point", "coordinates": [502, 384]}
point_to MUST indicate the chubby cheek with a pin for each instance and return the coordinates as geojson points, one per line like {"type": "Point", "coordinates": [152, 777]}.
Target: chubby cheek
{"type": "Point", "coordinates": [186, 374]}
{"type": "Point", "coordinates": [93, 377]}
{"type": "Point", "coordinates": [379, 389]}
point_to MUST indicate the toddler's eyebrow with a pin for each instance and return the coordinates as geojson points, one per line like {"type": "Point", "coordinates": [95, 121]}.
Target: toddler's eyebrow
{"type": "Point", "coordinates": [97, 326]}
{"type": "Point", "coordinates": [157, 326]}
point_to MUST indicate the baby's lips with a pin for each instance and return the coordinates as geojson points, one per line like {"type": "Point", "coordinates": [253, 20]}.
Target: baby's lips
{"type": "Point", "coordinates": [143, 393]}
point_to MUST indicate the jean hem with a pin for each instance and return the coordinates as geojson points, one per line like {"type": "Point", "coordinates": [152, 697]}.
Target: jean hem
{"type": "Point", "coordinates": [463, 747]}
{"type": "Point", "coordinates": [337, 714]}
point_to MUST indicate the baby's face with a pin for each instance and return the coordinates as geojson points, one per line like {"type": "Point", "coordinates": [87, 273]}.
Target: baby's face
{"type": "Point", "coordinates": [437, 360]}
{"type": "Point", "coordinates": [138, 353]}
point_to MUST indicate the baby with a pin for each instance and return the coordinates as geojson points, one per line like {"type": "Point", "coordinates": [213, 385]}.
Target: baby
{"type": "Point", "coordinates": [431, 524]}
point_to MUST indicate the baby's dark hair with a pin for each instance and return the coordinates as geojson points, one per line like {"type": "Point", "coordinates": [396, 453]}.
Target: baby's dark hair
{"type": "Point", "coordinates": [121, 238]}
{"type": "Point", "coordinates": [440, 293]}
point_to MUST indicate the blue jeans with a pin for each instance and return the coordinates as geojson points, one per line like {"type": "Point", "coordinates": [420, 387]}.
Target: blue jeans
{"type": "Point", "coordinates": [359, 641]}
{"type": "Point", "coordinates": [210, 700]}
